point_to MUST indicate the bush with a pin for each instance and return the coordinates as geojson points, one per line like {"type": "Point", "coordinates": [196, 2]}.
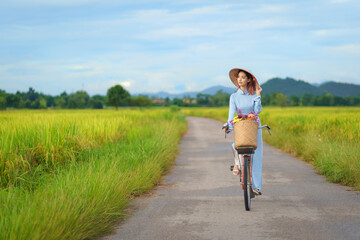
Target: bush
{"type": "Point", "coordinates": [174, 108]}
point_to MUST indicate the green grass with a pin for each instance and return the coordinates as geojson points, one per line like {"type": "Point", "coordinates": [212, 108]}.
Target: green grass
{"type": "Point", "coordinates": [327, 137]}
{"type": "Point", "coordinates": [84, 197]}
{"type": "Point", "coordinates": [36, 142]}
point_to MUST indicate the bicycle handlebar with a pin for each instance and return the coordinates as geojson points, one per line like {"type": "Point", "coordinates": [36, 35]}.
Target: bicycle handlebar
{"type": "Point", "coordinates": [228, 130]}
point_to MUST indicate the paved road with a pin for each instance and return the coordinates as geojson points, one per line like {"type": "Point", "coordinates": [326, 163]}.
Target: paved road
{"type": "Point", "coordinates": [201, 199]}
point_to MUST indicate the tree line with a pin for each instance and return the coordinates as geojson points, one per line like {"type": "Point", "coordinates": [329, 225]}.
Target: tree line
{"type": "Point", "coordinates": [274, 99]}
{"type": "Point", "coordinates": [279, 99]}
{"type": "Point", "coordinates": [117, 96]}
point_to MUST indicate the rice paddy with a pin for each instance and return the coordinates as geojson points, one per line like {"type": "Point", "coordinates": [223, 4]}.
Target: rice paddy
{"type": "Point", "coordinates": [70, 174]}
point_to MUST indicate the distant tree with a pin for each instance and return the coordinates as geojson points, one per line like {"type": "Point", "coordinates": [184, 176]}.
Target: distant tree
{"type": "Point", "coordinates": [60, 102]}
{"type": "Point", "coordinates": [325, 100]}
{"type": "Point", "coordinates": [140, 100]}
{"type": "Point", "coordinates": [50, 100]}
{"type": "Point", "coordinates": [177, 102]}
{"type": "Point", "coordinates": [307, 99]}
{"type": "Point", "coordinates": [13, 100]}
{"type": "Point", "coordinates": [22, 104]}
{"type": "Point", "coordinates": [203, 99]}
{"type": "Point", "coordinates": [265, 99]}
{"type": "Point", "coordinates": [79, 99]}
{"type": "Point", "coordinates": [32, 95]}
{"type": "Point", "coordinates": [63, 101]}
{"type": "Point", "coordinates": [39, 103]}
{"type": "Point", "coordinates": [23, 97]}
{"type": "Point", "coordinates": [2, 103]}
{"type": "Point", "coordinates": [167, 101]}
{"type": "Point", "coordinates": [220, 98]}
{"type": "Point", "coordinates": [97, 102]}
{"type": "Point", "coordinates": [117, 95]}
{"type": "Point", "coordinates": [42, 103]}
{"type": "Point", "coordinates": [27, 103]}
{"type": "Point", "coordinates": [99, 97]}
{"type": "Point", "coordinates": [294, 100]}
{"type": "Point", "coordinates": [352, 101]}
{"type": "Point", "coordinates": [339, 101]}
{"type": "Point", "coordinates": [281, 100]}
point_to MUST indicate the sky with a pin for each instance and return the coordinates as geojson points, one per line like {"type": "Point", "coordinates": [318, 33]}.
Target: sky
{"type": "Point", "coordinates": [174, 46]}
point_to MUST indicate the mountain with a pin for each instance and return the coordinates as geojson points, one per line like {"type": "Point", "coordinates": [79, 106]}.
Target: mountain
{"type": "Point", "coordinates": [287, 86]}
{"type": "Point", "coordinates": [340, 89]}
{"type": "Point", "coordinates": [318, 84]}
{"type": "Point", "coordinates": [290, 86]}
{"type": "Point", "coordinates": [169, 95]}
{"type": "Point", "coordinates": [209, 91]}
{"type": "Point", "coordinates": [214, 89]}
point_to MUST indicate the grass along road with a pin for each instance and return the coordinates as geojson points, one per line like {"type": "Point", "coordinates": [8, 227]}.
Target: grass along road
{"type": "Point", "coordinates": [84, 195]}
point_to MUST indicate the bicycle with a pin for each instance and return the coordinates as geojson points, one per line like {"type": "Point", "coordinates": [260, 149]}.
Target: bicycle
{"type": "Point", "coordinates": [245, 157]}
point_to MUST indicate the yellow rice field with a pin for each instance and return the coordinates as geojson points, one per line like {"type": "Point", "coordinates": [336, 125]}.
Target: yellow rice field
{"type": "Point", "coordinates": [70, 174]}
{"type": "Point", "coordinates": [35, 141]}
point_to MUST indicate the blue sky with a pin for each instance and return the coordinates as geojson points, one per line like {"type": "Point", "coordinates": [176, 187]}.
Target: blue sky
{"type": "Point", "coordinates": [174, 46]}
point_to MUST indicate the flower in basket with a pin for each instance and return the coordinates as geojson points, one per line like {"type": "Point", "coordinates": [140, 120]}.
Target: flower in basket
{"type": "Point", "coordinates": [251, 116]}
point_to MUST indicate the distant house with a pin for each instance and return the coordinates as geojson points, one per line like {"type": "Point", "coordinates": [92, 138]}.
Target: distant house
{"type": "Point", "coordinates": [159, 101]}
{"type": "Point", "coordinates": [187, 100]}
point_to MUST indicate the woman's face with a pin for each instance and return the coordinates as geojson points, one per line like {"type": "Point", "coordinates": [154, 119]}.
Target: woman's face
{"type": "Point", "coordinates": [242, 80]}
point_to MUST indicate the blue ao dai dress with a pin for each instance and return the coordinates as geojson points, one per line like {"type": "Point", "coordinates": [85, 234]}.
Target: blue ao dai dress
{"type": "Point", "coordinates": [242, 100]}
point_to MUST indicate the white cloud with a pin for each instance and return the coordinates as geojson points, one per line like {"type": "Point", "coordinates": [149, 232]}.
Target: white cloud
{"type": "Point", "coordinates": [81, 68]}
{"type": "Point", "coordinates": [125, 84]}
{"type": "Point", "coordinates": [337, 32]}
{"type": "Point", "coordinates": [208, 10]}
{"type": "Point", "coordinates": [351, 49]}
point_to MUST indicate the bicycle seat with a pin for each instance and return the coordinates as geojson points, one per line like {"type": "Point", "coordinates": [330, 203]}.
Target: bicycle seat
{"type": "Point", "coordinates": [245, 150]}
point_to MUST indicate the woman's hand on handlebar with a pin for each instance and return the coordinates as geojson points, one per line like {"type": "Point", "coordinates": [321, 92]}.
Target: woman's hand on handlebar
{"type": "Point", "coordinates": [226, 128]}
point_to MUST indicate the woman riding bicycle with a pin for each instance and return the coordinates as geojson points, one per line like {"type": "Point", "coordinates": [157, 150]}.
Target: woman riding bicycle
{"type": "Point", "coordinates": [246, 99]}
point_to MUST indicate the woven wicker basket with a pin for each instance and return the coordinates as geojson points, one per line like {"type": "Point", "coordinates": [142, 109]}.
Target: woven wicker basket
{"type": "Point", "coordinates": [245, 133]}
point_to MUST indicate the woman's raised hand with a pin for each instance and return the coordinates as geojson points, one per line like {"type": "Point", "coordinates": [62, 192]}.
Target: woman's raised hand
{"type": "Point", "coordinates": [258, 89]}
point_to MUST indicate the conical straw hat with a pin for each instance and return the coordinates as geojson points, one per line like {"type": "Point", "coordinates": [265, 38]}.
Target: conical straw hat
{"type": "Point", "coordinates": [233, 75]}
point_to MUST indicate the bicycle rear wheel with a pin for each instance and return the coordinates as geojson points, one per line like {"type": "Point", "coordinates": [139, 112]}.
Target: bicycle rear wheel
{"type": "Point", "coordinates": [247, 183]}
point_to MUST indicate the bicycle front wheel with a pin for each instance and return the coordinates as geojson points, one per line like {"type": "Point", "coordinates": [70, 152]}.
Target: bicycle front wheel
{"type": "Point", "coordinates": [247, 183]}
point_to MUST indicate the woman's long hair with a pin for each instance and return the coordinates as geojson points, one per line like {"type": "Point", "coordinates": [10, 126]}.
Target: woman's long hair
{"type": "Point", "coordinates": [251, 86]}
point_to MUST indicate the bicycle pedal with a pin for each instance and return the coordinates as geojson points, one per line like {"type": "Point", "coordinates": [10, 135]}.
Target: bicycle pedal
{"type": "Point", "coordinates": [252, 195]}
{"type": "Point", "coordinates": [231, 167]}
